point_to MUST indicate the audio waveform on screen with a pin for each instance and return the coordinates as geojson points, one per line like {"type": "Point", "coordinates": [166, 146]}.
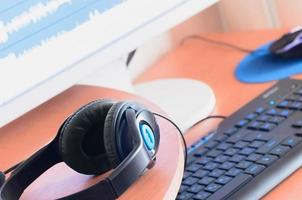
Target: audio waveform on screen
{"type": "Point", "coordinates": [40, 39]}
{"type": "Point", "coordinates": [26, 25]}
{"type": "Point", "coordinates": [30, 16]}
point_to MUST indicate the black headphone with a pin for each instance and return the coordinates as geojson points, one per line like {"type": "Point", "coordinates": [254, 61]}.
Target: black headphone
{"type": "Point", "coordinates": [100, 136]}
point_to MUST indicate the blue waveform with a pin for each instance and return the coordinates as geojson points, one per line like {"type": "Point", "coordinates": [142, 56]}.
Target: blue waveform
{"type": "Point", "coordinates": [66, 18]}
{"type": "Point", "coordinates": [9, 9]}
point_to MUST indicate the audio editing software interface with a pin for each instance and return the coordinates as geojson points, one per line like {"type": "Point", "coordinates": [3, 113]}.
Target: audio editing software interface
{"type": "Point", "coordinates": [34, 34]}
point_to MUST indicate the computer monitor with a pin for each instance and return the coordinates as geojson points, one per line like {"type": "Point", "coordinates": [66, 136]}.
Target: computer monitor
{"type": "Point", "coordinates": [46, 46]}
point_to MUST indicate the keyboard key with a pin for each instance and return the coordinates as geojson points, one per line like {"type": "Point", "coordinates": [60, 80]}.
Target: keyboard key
{"type": "Point", "coordinates": [276, 119]}
{"type": "Point", "coordinates": [231, 152]}
{"type": "Point", "coordinates": [223, 180]}
{"type": "Point", "coordinates": [213, 187]}
{"type": "Point", "coordinates": [211, 144]}
{"type": "Point", "coordinates": [255, 125]}
{"type": "Point", "coordinates": [237, 158]}
{"type": "Point", "coordinates": [291, 141]}
{"type": "Point", "coordinates": [283, 104]}
{"type": "Point", "coordinates": [268, 146]}
{"type": "Point", "coordinates": [257, 136]}
{"type": "Point", "coordinates": [214, 153]}
{"type": "Point", "coordinates": [294, 98]}
{"type": "Point", "coordinates": [255, 169]}
{"type": "Point", "coordinates": [298, 98]}
{"type": "Point", "coordinates": [231, 131]}
{"type": "Point", "coordinates": [183, 188]}
{"type": "Point", "coordinates": [221, 158]}
{"type": "Point", "coordinates": [244, 164]}
{"type": "Point", "coordinates": [298, 124]}
{"type": "Point", "coordinates": [206, 180]}
{"type": "Point", "coordinates": [200, 173]}
{"type": "Point", "coordinates": [285, 113]}
{"type": "Point", "coordinates": [240, 144]}
{"type": "Point", "coordinates": [193, 168]}
{"type": "Point", "coordinates": [191, 159]}
{"type": "Point", "coordinates": [272, 111]}
{"type": "Point", "coordinates": [233, 172]}
{"type": "Point", "coordinates": [251, 116]}
{"type": "Point", "coordinates": [220, 137]}
{"type": "Point", "coordinates": [242, 123]}
{"type": "Point", "coordinates": [203, 160]}
{"type": "Point", "coordinates": [267, 127]}
{"type": "Point", "coordinates": [236, 137]}
{"type": "Point", "coordinates": [202, 195]}
{"type": "Point", "coordinates": [216, 173]}
{"type": "Point", "coordinates": [295, 106]}
{"type": "Point", "coordinates": [210, 166]}
{"type": "Point", "coordinates": [186, 174]}
{"type": "Point", "coordinates": [227, 165]}
{"type": "Point", "coordinates": [195, 188]}
{"type": "Point", "coordinates": [190, 181]}
{"type": "Point", "coordinates": [231, 187]}
{"type": "Point", "coordinates": [298, 92]}
{"type": "Point", "coordinates": [184, 196]}
{"type": "Point", "coordinates": [267, 160]}
{"type": "Point", "coordinates": [280, 150]}
{"type": "Point", "coordinates": [224, 146]}
{"type": "Point", "coordinates": [256, 144]}
{"type": "Point", "coordinates": [298, 134]}
{"type": "Point", "coordinates": [254, 157]}
{"type": "Point", "coordinates": [264, 118]}
{"type": "Point", "coordinates": [247, 151]}
{"type": "Point", "coordinates": [260, 110]}
{"type": "Point", "coordinates": [200, 152]}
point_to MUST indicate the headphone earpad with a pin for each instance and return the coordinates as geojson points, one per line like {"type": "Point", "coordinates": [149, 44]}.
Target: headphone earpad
{"type": "Point", "coordinates": [110, 136]}
{"type": "Point", "coordinates": [81, 142]}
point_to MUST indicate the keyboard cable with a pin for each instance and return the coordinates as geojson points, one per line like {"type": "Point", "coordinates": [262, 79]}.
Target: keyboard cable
{"type": "Point", "coordinates": [217, 42]}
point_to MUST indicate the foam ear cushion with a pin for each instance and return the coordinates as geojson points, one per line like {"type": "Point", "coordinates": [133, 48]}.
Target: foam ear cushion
{"type": "Point", "coordinates": [81, 141]}
{"type": "Point", "coordinates": [110, 135]}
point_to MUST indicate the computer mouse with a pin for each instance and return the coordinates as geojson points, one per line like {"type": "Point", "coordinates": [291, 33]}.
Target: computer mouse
{"type": "Point", "coordinates": [289, 45]}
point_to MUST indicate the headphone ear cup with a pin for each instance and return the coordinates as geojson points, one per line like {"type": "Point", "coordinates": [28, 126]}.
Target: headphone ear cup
{"type": "Point", "coordinates": [110, 136]}
{"type": "Point", "coordinates": [81, 141]}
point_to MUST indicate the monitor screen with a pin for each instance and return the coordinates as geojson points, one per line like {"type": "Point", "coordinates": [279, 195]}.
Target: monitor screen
{"type": "Point", "coordinates": [41, 39]}
{"type": "Point", "coordinates": [46, 46]}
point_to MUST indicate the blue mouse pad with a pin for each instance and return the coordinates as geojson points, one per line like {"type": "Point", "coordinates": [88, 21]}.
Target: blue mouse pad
{"type": "Point", "coordinates": [260, 66]}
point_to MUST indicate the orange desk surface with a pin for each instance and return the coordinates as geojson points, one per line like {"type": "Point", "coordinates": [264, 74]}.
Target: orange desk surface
{"type": "Point", "coordinates": [29, 133]}
{"type": "Point", "coordinates": [215, 65]}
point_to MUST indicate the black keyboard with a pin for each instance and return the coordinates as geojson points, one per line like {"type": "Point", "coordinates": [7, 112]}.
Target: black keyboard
{"type": "Point", "coordinates": [252, 151]}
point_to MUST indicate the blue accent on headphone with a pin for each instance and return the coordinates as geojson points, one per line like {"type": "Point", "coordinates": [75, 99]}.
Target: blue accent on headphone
{"type": "Point", "coordinates": [148, 136]}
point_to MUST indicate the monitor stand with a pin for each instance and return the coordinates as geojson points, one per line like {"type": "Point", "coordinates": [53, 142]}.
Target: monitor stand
{"type": "Point", "coordinates": [186, 101]}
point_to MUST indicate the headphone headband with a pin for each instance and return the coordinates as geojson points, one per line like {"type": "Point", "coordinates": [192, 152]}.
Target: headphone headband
{"type": "Point", "coordinates": [28, 171]}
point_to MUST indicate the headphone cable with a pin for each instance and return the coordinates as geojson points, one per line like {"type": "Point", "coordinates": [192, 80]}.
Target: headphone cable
{"type": "Point", "coordinates": [181, 133]}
